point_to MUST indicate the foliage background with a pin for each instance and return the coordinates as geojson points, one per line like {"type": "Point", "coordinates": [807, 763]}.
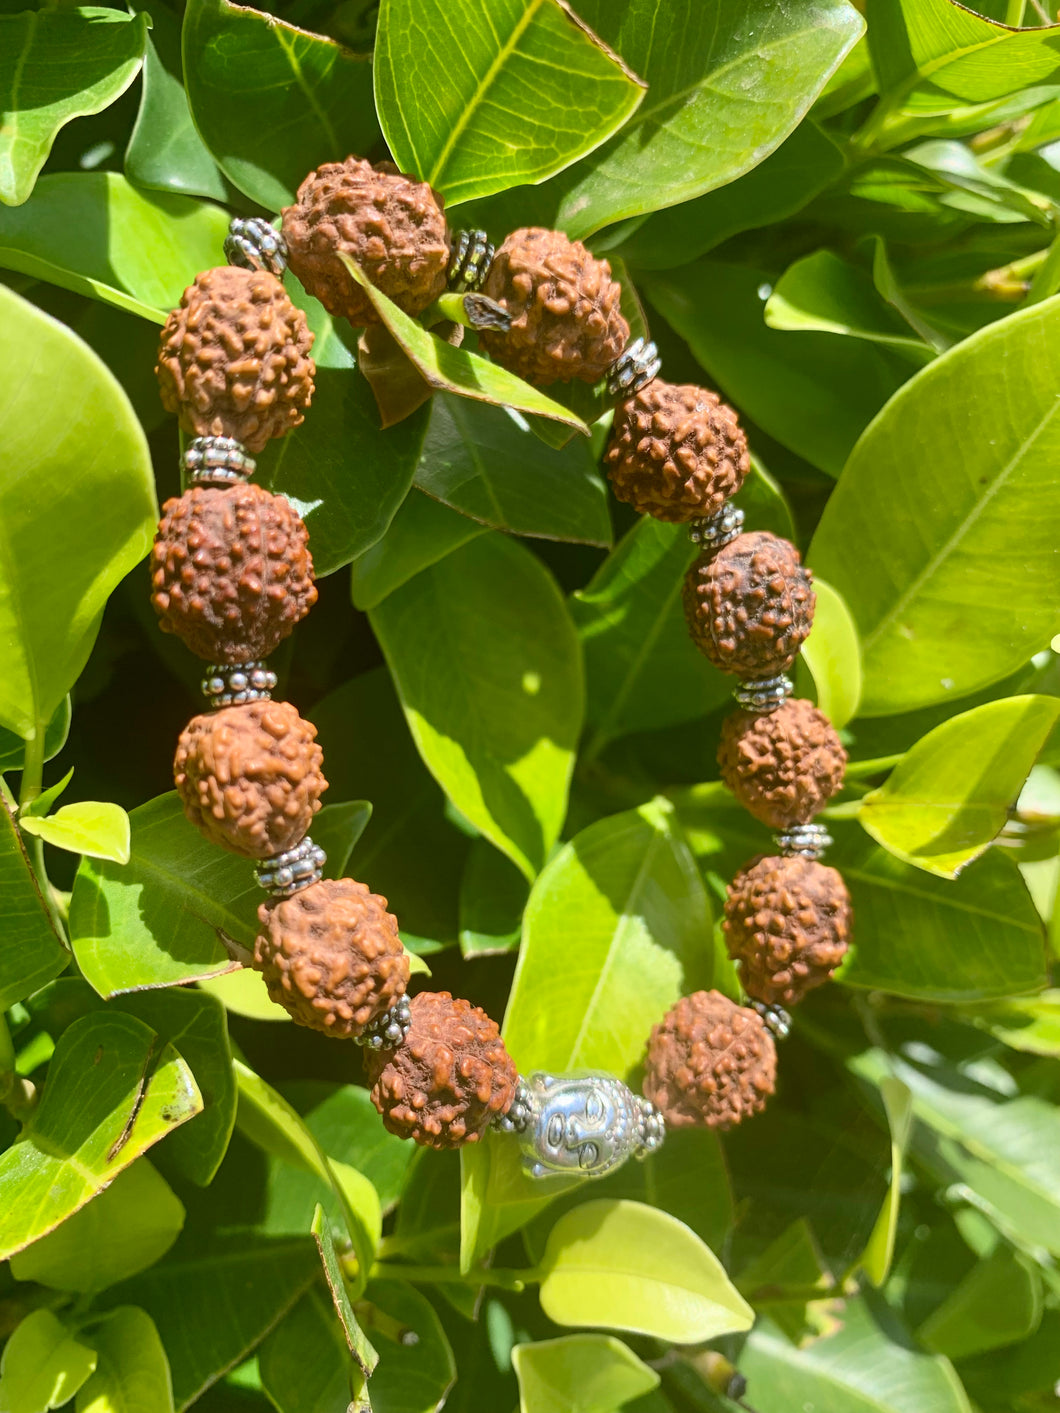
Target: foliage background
{"type": "Point", "coordinates": [846, 220]}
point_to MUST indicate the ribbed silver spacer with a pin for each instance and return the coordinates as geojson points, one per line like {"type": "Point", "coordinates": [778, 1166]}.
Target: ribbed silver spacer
{"type": "Point", "coordinates": [229, 685]}
{"type": "Point", "coordinates": [518, 1113]}
{"type": "Point", "coordinates": [288, 873]}
{"type": "Point", "coordinates": [809, 840]}
{"type": "Point", "coordinates": [764, 693]}
{"type": "Point", "coordinates": [717, 530]}
{"type": "Point", "coordinates": [220, 459]}
{"type": "Point", "coordinates": [470, 258]}
{"type": "Point", "coordinates": [633, 369]}
{"type": "Point", "coordinates": [652, 1128]}
{"type": "Point", "coordinates": [776, 1018]}
{"type": "Point", "coordinates": [389, 1030]}
{"type": "Point", "coordinates": [255, 245]}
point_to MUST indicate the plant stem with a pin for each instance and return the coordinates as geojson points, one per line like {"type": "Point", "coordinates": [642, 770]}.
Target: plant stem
{"type": "Point", "coordinates": [32, 781]}
{"type": "Point", "coordinates": [879, 766]}
{"type": "Point", "coordinates": [450, 1275]}
{"type": "Point", "coordinates": [847, 810]}
{"type": "Point", "coordinates": [474, 311]}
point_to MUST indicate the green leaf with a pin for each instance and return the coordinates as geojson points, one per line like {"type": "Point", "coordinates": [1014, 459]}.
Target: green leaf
{"type": "Point", "coordinates": [124, 1229]}
{"type": "Point", "coordinates": [421, 533]}
{"type": "Point", "coordinates": [242, 993]}
{"type": "Point", "coordinates": [487, 666]}
{"type": "Point", "coordinates": [305, 1364]}
{"type": "Point", "coordinates": [929, 939]}
{"type": "Point", "coordinates": [353, 1336]}
{"type": "Point", "coordinates": [272, 101]}
{"type": "Point", "coordinates": [824, 292]}
{"type": "Point", "coordinates": [13, 748]}
{"type": "Point", "coordinates": [526, 89]}
{"type": "Point", "coordinates": [42, 1365]}
{"type": "Point", "coordinates": [579, 1374]}
{"type": "Point", "coordinates": [791, 1260]}
{"type": "Point", "coordinates": [77, 490]}
{"type": "Point", "coordinates": [859, 1368]}
{"type": "Point", "coordinates": [493, 894]}
{"type": "Point", "coordinates": [1030, 1023]}
{"type": "Point", "coordinates": [908, 554]}
{"type": "Point", "coordinates": [89, 827]}
{"type": "Point", "coordinates": [999, 1302]}
{"type": "Point", "coordinates": [98, 235]}
{"type": "Point", "coordinates": [38, 807]}
{"type": "Point", "coordinates": [56, 65]}
{"type": "Point", "coordinates": [31, 952]}
{"type": "Point", "coordinates": [488, 464]}
{"type": "Point", "coordinates": [832, 654]}
{"type": "Point", "coordinates": [879, 1253]}
{"type": "Point", "coordinates": [165, 152]}
{"type": "Point", "coordinates": [631, 1267]}
{"type": "Point", "coordinates": [949, 796]}
{"type": "Point", "coordinates": [112, 1091]}
{"type": "Point", "coordinates": [407, 1381]}
{"type": "Point", "coordinates": [132, 1372]}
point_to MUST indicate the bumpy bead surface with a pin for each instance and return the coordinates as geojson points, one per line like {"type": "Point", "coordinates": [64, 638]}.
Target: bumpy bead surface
{"type": "Point", "coordinates": [231, 572]}
{"type": "Point", "coordinates": [749, 607]}
{"type": "Point", "coordinates": [450, 1078]}
{"type": "Point", "coordinates": [249, 777]}
{"type": "Point", "coordinates": [391, 225]}
{"type": "Point", "coordinates": [784, 765]}
{"type": "Point", "coordinates": [676, 452]}
{"type": "Point", "coordinates": [564, 307]}
{"type": "Point", "coordinates": [787, 922]}
{"type": "Point", "coordinates": [710, 1062]}
{"type": "Point", "coordinates": [331, 956]}
{"type": "Point", "coordinates": [233, 360]}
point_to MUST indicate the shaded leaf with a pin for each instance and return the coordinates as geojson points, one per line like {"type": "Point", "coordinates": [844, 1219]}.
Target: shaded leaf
{"type": "Point", "coordinates": [354, 1338]}
{"type": "Point", "coordinates": [824, 292]}
{"type": "Point", "coordinates": [579, 1374]}
{"type": "Point", "coordinates": [305, 1364]}
{"type": "Point", "coordinates": [31, 952]}
{"type": "Point", "coordinates": [422, 532]}
{"type": "Point", "coordinates": [493, 894]}
{"type": "Point", "coordinates": [416, 1381]}
{"type": "Point", "coordinates": [999, 1302]}
{"type": "Point", "coordinates": [13, 748]}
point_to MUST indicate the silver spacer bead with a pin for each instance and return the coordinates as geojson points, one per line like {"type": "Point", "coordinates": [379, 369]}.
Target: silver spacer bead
{"type": "Point", "coordinates": [288, 873]}
{"type": "Point", "coordinates": [776, 1018]}
{"type": "Point", "coordinates": [809, 840]}
{"type": "Point", "coordinates": [717, 530]}
{"type": "Point", "coordinates": [518, 1113]}
{"type": "Point", "coordinates": [253, 244]}
{"type": "Point", "coordinates": [229, 685]}
{"type": "Point", "coordinates": [220, 459]}
{"type": "Point", "coordinates": [389, 1030]}
{"type": "Point", "coordinates": [764, 693]}
{"type": "Point", "coordinates": [586, 1124]}
{"type": "Point", "coordinates": [470, 259]}
{"type": "Point", "coordinates": [633, 369]}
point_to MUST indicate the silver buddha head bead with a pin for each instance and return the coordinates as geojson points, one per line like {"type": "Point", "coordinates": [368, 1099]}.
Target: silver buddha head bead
{"type": "Point", "coordinates": [586, 1123]}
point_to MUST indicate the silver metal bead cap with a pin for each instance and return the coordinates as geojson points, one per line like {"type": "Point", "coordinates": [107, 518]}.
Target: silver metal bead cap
{"type": "Point", "coordinates": [717, 530]}
{"type": "Point", "coordinates": [764, 694]}
{"type": "Point", "coordinates": [776, 1018]}
{"type": "Point", "coordinates": [389, 1030]}
{"type": "Point", "coordinates": [585, 1123]}
{"type": "Point", "coordinates": [293, 870]}
{"type": "Point", "coordinates": [219, 459]}
{"type": "Point", "coordinates": [517, 1115]}
{"type": "Point", "coordinates": [809, 840]}
{"type": "Point", "coordinates": [230, 684]}
{"type": "Point", "coordinates": [254, 245]}
{"type": "Point", "coordinates": [469, 261]}
{"type": "Point", "coordinates": [633, 369]}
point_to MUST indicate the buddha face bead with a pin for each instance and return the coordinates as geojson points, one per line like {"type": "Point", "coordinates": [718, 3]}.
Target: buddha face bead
{"type": "Point", "coordinates": [587, 1124]}
{"type": "Point", "coordinates": [783, 766]}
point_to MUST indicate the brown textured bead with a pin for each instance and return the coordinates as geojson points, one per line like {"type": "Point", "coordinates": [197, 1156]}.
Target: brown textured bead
{"type": "Point", "coordinates": [564, 307]}
{"type": "Point", "coordinates": [787, 922]}
{"type": "Point", "coordinates": [249, 777]}
{"type": "Point", "coordinates": [710, 1062]}
{"type": "Point", "coordinates": [782, 765]}
{"type": "Point", "coordinates": [233, 360]}
{"type": "Point", "coordinates": [749, 605]}
{"type": "Point", "coordinates": [231, 571]}
{"type": "Point", "coordinates": [389, 224]}
{"type": "Point", "coordinates": [449, 1079]}
{"type": "Point", "coordinates": [676, 452]}
{"type": "Point", "coordinates": [331, 956]}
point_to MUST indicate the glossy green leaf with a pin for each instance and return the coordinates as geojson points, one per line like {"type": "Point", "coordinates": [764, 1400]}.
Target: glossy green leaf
{"type": "Point", "coordinates": [630, 1267]}
{"type": "Point", "coordinates": [949, 796]}
{"type": "Point", "coordinates": [1030, 1023]}
{"type": "Point", "coordinates": [421, 533]}
{"type": "Point", "coordinates": [42, 803]}
{"type": "Point", "coordinates": [243, 993]}
{"type": "Point", "coordinates": [832, 655]}
{"type": "Point", "coordinates": [488, 464]}
{"type": "Point", "coordinates": [97, 234]}
{"type": "Point", "coordinates": [921, 508]}
{"type": "Point", "coordinates": [113, 1090]}
{"type": "Point", "coordinates": [272, 101]}
{"type": "Point", "coordinates": [42, 1365]}
{"type": "Point", "coordinates": [493, 894]}
{"type": "Point", "coordinates": [31, 952]}
{"type": "Point", "coordinates": [132, 1372]}
{"type": "Point", "coordinates": [824, 292]}
{"type": "Point", "coordinates": [353, 1337]}
{"type": "Point", "coordinates": [455, 370]}
{"type": "Point", "coordinates": [579, 1374]}
{"type": "Point", "coordinates": [82, 496]}
{"type": "Point", "coordinates": [858, 1368]}
{"type": "Point", "coordinates": [814, 392]}
{"type": "Point", "coordinates": [100, 830]}
{"type": "Point", "coordinates": [165, 152]}
{"type": "Point", "coordinates": [56, 65]}
{"type": "Point", "coordinates": [13, 748]}
{"type": "Point", "coordinates": [487, 666]}
{"type": "Point", "coordinates": [124, 1229]}
{"type": "Point", "coordinates": [879, 1253]}
{"type": "Point", "coordinates": [414, 1380]}
{"type": "Point", "coordinates": [305, 1364]}
{"type": "Point", "coordinates": [528, 89]}
{"type": "Point", "coordinates": [934, 940]}
{"type": "Point", "coordinates": [999, 1302]}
